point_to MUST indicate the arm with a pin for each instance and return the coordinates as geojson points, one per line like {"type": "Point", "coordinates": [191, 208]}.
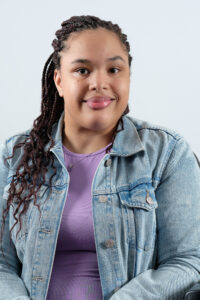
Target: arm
{"type": "Point", "coordinates": [11, 285]}
{"type": "Point", "coordinates": [178, 225]}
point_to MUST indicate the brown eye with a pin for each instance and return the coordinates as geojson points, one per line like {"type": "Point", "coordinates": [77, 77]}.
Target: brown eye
{"type": "Point", "coordinates": [81, 70]}
{"type": "Point", "coordinates": [114, 69]}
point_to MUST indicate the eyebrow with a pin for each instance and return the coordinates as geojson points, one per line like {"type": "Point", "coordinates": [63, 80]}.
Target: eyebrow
{"type": "Point", "coordinates": [81, 60]}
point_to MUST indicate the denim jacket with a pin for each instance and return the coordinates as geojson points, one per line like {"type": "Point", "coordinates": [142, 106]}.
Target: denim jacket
{"type": "Point", "coordinates": [146, 214]}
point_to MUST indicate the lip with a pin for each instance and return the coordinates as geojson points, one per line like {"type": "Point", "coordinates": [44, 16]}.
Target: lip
{"type": "Point", "coordinates": [98, 99]}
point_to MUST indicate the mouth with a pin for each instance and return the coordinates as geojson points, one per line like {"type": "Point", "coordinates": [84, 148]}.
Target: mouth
{"type": "Point", "coordinates": [97, 101]}
{"type": "Point", "coordinates": [98, 104]}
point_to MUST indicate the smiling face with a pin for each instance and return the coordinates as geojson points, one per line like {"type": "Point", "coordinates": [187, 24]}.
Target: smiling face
{"type": "Point", "coordinates": [94, 63]}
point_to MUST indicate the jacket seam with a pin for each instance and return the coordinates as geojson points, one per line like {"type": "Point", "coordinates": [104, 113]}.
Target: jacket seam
{"type": "Point", "coordinates": [176, 136]}
{"type": "Point", "coordinates": [165, 164]}
{"type": "Point", "coordinates": [7, 154]}
{"type": "Point", "coordinates": [171, 147]}
{"type": "Point", "coordinates": [16, 135]}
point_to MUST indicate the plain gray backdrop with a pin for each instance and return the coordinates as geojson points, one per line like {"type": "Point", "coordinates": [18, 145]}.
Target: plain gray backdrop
{"type": "Point", "coordinates": [165, 44]}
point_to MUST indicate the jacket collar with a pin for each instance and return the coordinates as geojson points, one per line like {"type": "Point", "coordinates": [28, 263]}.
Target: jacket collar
{"type": "Point", "coordinates": [127, 142]}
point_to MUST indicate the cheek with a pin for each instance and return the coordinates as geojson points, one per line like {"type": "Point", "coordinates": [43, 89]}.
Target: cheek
{"type": "Point", "coordinates": [123, 88]}
{"type": "Point", "coordinates": [72, 89]}
{"type": "Point", "coordinates": [77, 86]}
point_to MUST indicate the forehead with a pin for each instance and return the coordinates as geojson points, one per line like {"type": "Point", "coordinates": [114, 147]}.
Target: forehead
{"type": "Point", "coordinates": [94, 41]}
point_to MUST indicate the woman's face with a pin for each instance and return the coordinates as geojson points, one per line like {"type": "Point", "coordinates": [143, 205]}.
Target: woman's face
{"type": "Point", "coordinates": [100, 76]}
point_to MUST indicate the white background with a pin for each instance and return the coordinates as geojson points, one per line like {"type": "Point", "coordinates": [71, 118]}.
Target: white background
{"type": "Point", "coordinates": [165, 44]}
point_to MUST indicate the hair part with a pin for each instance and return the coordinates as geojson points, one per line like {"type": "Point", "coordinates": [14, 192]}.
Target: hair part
{"type": "Point", "coordinates": [36, 161]}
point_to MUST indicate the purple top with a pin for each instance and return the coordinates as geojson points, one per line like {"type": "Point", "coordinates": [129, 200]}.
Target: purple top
{"type": "Point", "coordinates": [75, 273]}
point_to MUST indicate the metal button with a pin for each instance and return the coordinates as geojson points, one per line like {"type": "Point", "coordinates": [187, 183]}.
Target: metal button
{"type": "Point", "coordinates": [149, 200]}
{"type": "Point", "coordinates": [108, 162]}
{"type": "Point", "coordinates": [103, 198]}
{"type": "Point", "coordinates": [109, 243]}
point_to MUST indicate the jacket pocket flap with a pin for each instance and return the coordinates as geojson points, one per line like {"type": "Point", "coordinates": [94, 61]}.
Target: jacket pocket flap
{"type": "Point", "coordinates": [142, 196]}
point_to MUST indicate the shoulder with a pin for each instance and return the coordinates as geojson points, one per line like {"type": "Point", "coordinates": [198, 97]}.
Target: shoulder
{"type": "Point", "coordinates": [8, 145]}
{"type": "Point", "coordinates": [20, 137]}
{"type": "Point", "coordinates": [148, 129]}
{"type": "Point", "coordinates": [162, 145]}
{"type": "Point", "coordinates": [165, 147]}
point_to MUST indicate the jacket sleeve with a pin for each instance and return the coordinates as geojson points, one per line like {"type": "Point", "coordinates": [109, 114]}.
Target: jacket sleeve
{"type": "Point", "coordinates": [178, 232]}
{"type": "Point", "coordinates": [11, 285]}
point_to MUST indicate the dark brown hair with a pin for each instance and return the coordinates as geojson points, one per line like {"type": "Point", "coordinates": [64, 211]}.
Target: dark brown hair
{"type": "Point", "coordinates": [35, 160]}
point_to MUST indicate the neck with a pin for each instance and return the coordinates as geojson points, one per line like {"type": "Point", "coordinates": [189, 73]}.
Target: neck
{"type": "Point", "coordinates": [83, 144]}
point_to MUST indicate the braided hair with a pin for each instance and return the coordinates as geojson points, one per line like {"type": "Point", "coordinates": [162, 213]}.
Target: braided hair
{"type": "Point", "coordinates": [36, 160]}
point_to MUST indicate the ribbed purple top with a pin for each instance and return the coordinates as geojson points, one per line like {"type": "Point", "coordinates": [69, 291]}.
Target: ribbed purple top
{"type": "Point", "coordinates": [75, 274]}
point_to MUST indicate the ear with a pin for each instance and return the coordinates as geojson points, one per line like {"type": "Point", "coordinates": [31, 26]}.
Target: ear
{"type": "Point", "coordinates": [58, 82]}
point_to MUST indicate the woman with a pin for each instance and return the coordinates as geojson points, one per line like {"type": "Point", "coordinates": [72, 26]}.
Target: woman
{"type": "Point", "coordinates": [96, 204]}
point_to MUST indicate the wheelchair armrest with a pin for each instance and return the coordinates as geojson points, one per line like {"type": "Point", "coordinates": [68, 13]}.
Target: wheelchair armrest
{"type": "Point", "coordinates": [193, 293]}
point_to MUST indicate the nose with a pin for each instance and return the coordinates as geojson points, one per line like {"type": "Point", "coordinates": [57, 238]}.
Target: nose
{"type": "Point", "coordinates": [99, 80]}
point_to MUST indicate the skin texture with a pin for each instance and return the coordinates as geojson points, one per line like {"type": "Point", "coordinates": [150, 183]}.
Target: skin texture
{"type": "Point", "coordinates": [86, 130]}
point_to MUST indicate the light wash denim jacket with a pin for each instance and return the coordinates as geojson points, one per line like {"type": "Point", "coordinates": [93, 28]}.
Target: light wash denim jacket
{"type": "Point", "coordinates": [146, 214]}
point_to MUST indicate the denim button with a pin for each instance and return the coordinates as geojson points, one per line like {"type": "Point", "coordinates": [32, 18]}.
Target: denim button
{"type": "Point", "coordinates": [109, 243]}
{"type": "Point", "coordinates": [149, 200]}
{"type": "Point", "coordinates": [108, 162]}
{"type": "Point", "coordinates": [103, 198]}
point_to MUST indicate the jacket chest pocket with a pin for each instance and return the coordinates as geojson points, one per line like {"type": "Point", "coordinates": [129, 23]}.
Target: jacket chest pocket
{"type": "Point", "coordinates": [139, 205]}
